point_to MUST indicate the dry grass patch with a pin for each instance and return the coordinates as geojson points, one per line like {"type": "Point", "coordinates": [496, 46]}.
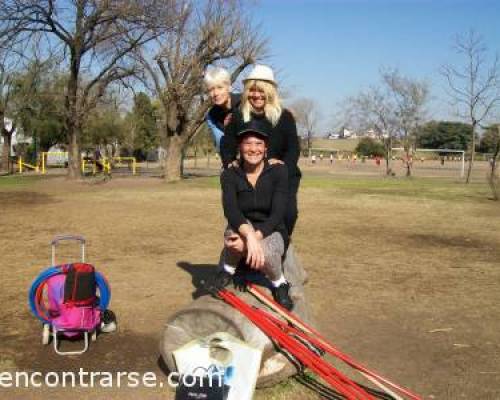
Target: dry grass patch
{"type": "Point", "coordinates": [404, 275]}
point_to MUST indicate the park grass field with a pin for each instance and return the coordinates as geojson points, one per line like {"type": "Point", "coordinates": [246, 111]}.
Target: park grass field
{"type": "Point", "coordinates": [404, 274]}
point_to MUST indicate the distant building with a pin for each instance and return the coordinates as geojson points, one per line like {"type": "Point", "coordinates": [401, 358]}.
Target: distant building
{"type": "Point", "coordinates": [57, 155]}
{"type": "Point", "coordinates": [343, 133]}
{"type": "Point", "coordinates": [17, 138]}
{"type": "Point", "coordinates": [370, 133]}
{"type": "Point", "coordinates": [346, 133]}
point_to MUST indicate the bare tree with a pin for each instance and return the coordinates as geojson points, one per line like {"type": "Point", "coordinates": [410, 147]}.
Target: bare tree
{"type": "Point", "coordinates": [214, 31]}
{"type": "Point", "coordinates": [409, 99]}
{"type": "Point", "coordinates": [307, 115]}
{"type": "Point", "coordinates": [95, 36]}
{"type": "Point", "coordinates": [473, 86]}
{"type": "Point", "coordinates": [394, 110]}
{"type": "Point", "coordinates": [373, 109]}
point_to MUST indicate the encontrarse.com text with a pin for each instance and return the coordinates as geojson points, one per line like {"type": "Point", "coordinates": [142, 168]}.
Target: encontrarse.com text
{"type": "Point", "coordinates": [91, 379]}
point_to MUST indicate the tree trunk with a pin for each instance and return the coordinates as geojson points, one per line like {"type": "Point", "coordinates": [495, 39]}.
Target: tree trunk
{"type": "Point", "coordinates": [407, 149]}
{"type": "Point", "coordinates": [173, 160]}
{"type": "Point", "coordinates": [309, 144]}
{"type": "Point", "coordinates": [388, 156]}
{"type": "Point", "coordinates": [408, 164]}
{"type": "Point", "coordinates": [7, 140]}
{"type": "Point", "coordinates": [472, 152]}
{"type": "Point", "coordinates": [74, 156]}
{"type": "Point", "coordinates": [73, 122]}
{"type": "Point", "coordinates": [493, 178]}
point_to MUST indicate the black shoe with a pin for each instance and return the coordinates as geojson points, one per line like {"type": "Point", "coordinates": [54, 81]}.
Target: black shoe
{"type": "Point", "coordinates": [220, 281]}
{"type": "Point", "coordinates": [281, 296]}
{"type": "Point", "coordinates": [240, 280]}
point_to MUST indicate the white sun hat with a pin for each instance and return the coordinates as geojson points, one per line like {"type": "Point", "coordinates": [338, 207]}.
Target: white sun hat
{"type": "Point", "coordinates": [261, 73]}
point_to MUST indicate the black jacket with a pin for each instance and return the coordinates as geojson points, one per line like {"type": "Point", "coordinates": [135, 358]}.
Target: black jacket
{"type": "Point", "coordinates": [264, 206]}
{"type": "Point", "coordinates": [218, 114]}
{"type": "Point", "coordinates": [283, 142]}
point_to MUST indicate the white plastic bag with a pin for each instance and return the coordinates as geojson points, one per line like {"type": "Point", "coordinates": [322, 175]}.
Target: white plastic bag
{"type": "Point", "coordinates": [239, 361]}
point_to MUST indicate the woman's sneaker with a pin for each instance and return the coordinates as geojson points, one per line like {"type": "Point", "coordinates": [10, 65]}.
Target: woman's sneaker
{"type": "Point", "coordinates": [281, 295]}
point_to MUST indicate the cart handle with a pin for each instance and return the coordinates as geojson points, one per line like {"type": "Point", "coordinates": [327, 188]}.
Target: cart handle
{"type": "Point", "coordinates": [60, 238]}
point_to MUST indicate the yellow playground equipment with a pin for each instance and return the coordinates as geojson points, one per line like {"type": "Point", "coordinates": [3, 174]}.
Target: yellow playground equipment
{"type": "Point", "coordinates": [131, 160]}
{"type": "Point", "coordinates": [23, 165]}
{"type": "Point", "coordinates": [41, 167]}
{"type": "Point", "coordinates": [108, 163]}
{"type": "Point", "coordinates": [62, 156]}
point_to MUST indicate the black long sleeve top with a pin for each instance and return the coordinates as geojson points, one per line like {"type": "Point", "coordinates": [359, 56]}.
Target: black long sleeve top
{"type": "Point", "coordinates": [263, 205]}
{"type": "Point", "coordinates": [218, 114]}
{"type": "Point", "coordinates": [283, 143]}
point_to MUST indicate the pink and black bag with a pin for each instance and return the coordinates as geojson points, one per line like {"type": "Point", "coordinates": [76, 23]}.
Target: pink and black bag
{"type": "Point", "coordinates": [73, 304]}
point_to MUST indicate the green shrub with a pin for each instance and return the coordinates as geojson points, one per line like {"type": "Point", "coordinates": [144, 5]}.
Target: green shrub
{"type": "Point", "coordinates": [370, 147]}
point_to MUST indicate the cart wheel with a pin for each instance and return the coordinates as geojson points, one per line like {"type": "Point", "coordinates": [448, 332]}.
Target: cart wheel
{"type": "Point", "coordinates": [93, 337]}
{"type": "Point", "coordinates": [46, 334]}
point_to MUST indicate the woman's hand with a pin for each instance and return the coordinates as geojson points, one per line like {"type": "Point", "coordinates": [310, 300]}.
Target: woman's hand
{"type": "Point", "coordinates": [255, 253]}
{"type": "Point", "coordinates": [273, 161]}
{"type": "Point", "coordinates": [233, 164]}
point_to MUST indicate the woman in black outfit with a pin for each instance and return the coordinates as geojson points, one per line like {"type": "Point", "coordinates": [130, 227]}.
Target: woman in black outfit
{"type": "Point", "coordinates": [260, 101]}
{"type": "Point", "coordinates": [254, 197]}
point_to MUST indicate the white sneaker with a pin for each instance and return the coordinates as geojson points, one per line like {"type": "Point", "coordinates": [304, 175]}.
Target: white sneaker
{"type": "Point", "coordinates": [108, 323]}
{"type": "Point", "coordinates": [109, 327]}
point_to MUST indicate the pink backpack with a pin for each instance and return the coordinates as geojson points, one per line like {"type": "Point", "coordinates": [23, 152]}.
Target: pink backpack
{"type": "Point", "coordinates": [72, 299]}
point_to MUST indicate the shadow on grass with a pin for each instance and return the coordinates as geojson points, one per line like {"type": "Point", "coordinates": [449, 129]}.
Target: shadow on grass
{"type": "Point", "coordinates": [200, 274]}
{"type": "Point", "coordinates": [25, 198]}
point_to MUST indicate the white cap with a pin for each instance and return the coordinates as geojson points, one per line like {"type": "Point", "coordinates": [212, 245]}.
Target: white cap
{"type": "Point", "coordinates": [261, 73]}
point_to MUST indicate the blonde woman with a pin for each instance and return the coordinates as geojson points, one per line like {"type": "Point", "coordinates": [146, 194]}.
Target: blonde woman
{"type": "Point", "coordinates": [218, 84]}
{"type": "Point", "coordinates": [260, 100]}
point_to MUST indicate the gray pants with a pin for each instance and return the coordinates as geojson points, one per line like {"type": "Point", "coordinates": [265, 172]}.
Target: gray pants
{"type": "Point", "coordinates": [273, 247]}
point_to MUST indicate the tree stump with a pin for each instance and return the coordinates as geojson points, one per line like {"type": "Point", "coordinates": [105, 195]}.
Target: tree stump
{"type": "Point", "coordinates": [207, 315]}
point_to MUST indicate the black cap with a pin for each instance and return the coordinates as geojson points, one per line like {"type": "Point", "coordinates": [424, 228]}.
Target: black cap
{"type": "Point", "coordinates": [259, 126]}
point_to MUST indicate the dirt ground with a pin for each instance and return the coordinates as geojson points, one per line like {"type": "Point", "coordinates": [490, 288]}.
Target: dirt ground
{"type": "Point", "coordinates": [404, 275]}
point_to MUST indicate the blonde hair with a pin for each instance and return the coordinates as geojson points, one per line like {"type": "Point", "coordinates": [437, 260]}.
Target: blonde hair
{"type": "Point", "coordinates": [215, 76]}
{"type": "Point", "coordinates": [272, 108]}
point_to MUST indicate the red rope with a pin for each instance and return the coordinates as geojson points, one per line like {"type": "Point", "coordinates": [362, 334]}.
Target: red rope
{"type": "Point", "coordinates": [297, 349]}
{"type": "Point", "coordinates": [314, 337]}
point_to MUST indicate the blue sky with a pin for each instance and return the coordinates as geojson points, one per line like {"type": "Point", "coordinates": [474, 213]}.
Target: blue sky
{"type": "Point", "coordinates": [330, 49]}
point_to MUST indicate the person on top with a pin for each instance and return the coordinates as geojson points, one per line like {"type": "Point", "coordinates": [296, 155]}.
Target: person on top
{"type": "Point", "coordinates": [218, 83]}
{"type": "Point", "coordinates": [260, 101]}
